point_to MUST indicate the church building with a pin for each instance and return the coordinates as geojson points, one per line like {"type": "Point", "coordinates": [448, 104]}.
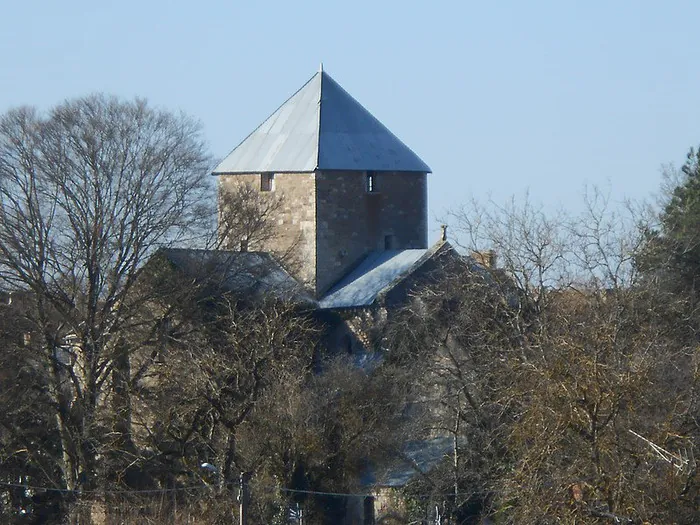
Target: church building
{"type": "Point", "coordinates": [353, 196]}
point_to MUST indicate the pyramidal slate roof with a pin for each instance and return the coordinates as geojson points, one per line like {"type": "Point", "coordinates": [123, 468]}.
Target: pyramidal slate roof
{"type": "Point", "coordinates": [321, 127]}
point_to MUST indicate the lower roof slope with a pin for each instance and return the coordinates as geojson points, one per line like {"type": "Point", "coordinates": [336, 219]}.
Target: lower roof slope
{"type": "Point", "coordinates": [256, 274]}
{"type": "Point", "coordinates": [378, 273]}
{"type": "Point", "coordinates": [259, 274]}
{"type": "Point", "coordinates": [419, 457]}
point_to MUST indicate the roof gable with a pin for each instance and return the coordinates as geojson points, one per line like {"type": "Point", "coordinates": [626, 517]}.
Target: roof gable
{"type": "Point", "coordinates": [321, 127]}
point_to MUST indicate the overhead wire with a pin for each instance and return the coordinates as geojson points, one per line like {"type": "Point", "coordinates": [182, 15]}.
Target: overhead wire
{"type": "Point", "coordinates": [192, 488]}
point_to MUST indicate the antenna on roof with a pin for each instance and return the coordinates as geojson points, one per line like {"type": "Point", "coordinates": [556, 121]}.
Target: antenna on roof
{"type": "Point", "coordinates": [320, 68]}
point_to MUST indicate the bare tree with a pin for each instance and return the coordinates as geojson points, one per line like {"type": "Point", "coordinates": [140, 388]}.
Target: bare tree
{"type": "Point", "coordinates": [228, 378]}
{"type": "Point", "coordinates": [89, 191]}
{"type": "Point", "coordinates": [245, 216]}
{"type": "Point", "coordinates": [248, 221]}
{"type": "Point", "coordinates": [547, 366]}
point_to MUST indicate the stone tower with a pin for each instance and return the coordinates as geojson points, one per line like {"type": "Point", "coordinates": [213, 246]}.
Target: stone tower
{"type": "Point", "coordinates": [348, 185]}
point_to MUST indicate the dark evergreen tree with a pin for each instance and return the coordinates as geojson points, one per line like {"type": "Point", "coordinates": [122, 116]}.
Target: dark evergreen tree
{"type": "Point", "coordinates": [672, 249]}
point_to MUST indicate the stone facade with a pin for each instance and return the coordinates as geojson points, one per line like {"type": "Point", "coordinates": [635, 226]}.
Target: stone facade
{"type": "Point", "coordinates": [331, 221]}
{"type": "Point", "coordinates": [351, 222]}
{"type": "Point", "coordinates": [294, 221]}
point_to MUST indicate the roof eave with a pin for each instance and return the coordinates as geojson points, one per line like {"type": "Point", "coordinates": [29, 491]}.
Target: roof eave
{"type": "Point", "coordinates": [217, 172]}
{"type": "Point", "coordinates": [255, 172]}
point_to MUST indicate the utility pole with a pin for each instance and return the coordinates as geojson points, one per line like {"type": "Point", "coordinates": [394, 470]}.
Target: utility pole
{"type": "Point", "coordinates": [243, 497]}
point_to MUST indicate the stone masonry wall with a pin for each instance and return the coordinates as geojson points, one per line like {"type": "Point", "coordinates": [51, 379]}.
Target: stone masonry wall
{"type": "Point", "coordinates": [295, 221]}
{"type": "Point", "coordinates": [350, 222]}
{"type": "Point", "coordinates": [332, 222]}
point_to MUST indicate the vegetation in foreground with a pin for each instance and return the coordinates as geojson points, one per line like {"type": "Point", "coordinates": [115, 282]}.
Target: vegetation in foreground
{"type": "Point", "coordinates": [566, 375]}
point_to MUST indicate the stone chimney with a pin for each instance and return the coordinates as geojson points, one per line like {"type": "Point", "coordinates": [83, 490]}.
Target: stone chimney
{"type": "Point", "coordinates": [487, 258]}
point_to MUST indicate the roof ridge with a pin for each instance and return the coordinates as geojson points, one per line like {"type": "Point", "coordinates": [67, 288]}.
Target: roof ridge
{"type": "Point", "coordinates": [318, 123]}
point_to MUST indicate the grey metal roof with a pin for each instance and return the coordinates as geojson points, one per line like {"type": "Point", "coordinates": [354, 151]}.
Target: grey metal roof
{"type": "Point", "coordinates": [417, 457]}
{"type": "Point", "coordinates": [374, 274]}
{"type": "Point", "coordinates": [251, 273]}
{"type": "Point", "coordinates": [321, 127]}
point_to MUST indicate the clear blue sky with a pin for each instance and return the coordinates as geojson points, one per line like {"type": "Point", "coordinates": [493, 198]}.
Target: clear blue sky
{"type": "Point", "coordinates": [497, 97]}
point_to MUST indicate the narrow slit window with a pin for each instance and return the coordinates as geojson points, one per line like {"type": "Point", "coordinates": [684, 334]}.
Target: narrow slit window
{"type": "Point", "coordinates": [267, 182]}
{"type": "Point", "coordinates": [389, 242]}
{"type": "Point", "coordinates": [347, 344]}
{"type": "Point", "coordinates": [371, 182]}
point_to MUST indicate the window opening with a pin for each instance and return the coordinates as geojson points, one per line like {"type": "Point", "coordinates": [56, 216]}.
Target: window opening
{"type": "Point", "coordinates": [267, 182]}
{"type": "Point", "coordinates": [371, 182]}
{"type": "Point", "coordinates": [347, 344]}
{"type": "Point", "coordinates": [389, 242]}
